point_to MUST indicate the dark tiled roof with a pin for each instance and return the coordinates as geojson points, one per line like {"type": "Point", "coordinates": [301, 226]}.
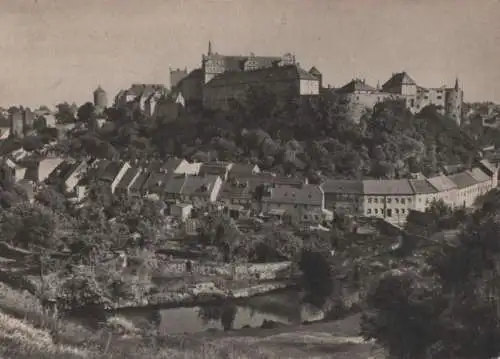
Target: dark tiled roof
{"type": "Point", "coordinates": [314, 71]}
{"type": "Point", "coordinates": [273, 74]}
{"type": "Point", "coordinates": [308, 194]}
{"type": "Point", "coordinates": [100, 167]}
{"type": "Point", "coordinates": [111, 171]}
{"type": "Point", "coordinates": [156, 182]}
{"type": "Point", "coordinates": [199, 186]}
{"type": "Point", "coordinates": [237, 63]}
{"type": "Point", "coordinates": [343, 186]}
{"type": "Point", "coordinates": [397, 80]}
{"type": "Point", "coordinates": [172, 164]}
{"type": "Point", "coordinates": [463, 179]}
{"type": "Point", "coordinates": [214, 168]}
{"type": "Point", "coordinates": [139, 182]}
{"type": "Point", "coordinates": [355, 86]}
{"type": "Point", "coordinates": [421, 186]}
{"type": "Point", "coordinates": [479, 175]}
{"type": "Point", "coordinates": [242, 169]}
{"type": "Point", "coordinates": [240, 190]}
{"type": "Point", "coordinates": [127, 178]}
{"type": "Point", "coordinates": [175, 184]}
{"type": "Point", "coordinates": [387, 187]}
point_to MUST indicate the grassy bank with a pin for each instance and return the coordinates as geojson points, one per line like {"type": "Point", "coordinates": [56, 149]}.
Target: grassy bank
{"type": "Point", "coordinates": [27, 331]}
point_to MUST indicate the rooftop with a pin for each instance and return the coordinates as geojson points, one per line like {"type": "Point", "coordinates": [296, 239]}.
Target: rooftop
{"type": "Point", "coordinates": [387, 187]}
{"type": "Point", "coordinates": [308, 194]}
{"type": "Point", "coordinates": [343, 186]}
{"type": "Point", "coordinates": [280, 73]}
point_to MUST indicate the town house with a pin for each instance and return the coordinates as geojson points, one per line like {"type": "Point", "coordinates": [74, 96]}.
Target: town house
{"type": "Point", "coordinates": [344, 196]}
{"type": "Point", "coordinates": [446, 189]}
{"type": "Point", "coordinates": [388, 199]}
{"type": "Point", "coordinates": [305, 204]}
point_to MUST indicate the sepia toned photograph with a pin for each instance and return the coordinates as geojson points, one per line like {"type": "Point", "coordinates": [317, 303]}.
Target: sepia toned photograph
{"type": "Point", "coordinates": [239, 179]}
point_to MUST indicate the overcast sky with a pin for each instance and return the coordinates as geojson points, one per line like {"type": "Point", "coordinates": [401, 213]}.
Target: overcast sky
{"type": "Point", "coordinates": [60, 50]}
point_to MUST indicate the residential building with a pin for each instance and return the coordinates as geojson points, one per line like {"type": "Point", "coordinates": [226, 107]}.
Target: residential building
{"type": "Point", "coordinates": [11, 171]}
{"type": "Point", "coordinates": [41, 171]}
{"type": "Point", "coordinates": [391, 200]}
{"type": "Point", "coordinates": [243, 169]}
{"type": "Point", "coordinates": [127, 181]}
{"type": "Point", "coordinates": [425, 193]}
{"type": "Point", "coordinates": [216, 168]}
{"type": "Point", "coordinates": [197, 190]}
{"type": "Point", "coordinates": [344, 197]}
{"type": "Point", "coordinates": [305, 204]}
{"type": "Point", "coordinates": [446, 189]}
{"type": "Point", "coordinates": [181, 211]}
{"type": "Point", "coordinates": [388, 199]}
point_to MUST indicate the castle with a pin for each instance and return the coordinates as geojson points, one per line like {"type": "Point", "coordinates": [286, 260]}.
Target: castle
{"type": "Point", "coordinates": [222, 78]}
{"type": "Point", "coordinates": [359, 96]}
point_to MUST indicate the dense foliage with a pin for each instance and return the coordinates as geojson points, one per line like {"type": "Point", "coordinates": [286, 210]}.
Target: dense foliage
{"type": "Point", "coordinates": [313, 137]}
{"type": "Point", "coordinates": [449, 307]}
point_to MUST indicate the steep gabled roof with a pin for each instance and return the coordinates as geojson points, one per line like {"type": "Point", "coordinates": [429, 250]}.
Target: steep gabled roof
{"type": "Point", "coordinates": [356, 85]}
{"type": "Point", "coordinates": [199, 186]}
{"type": "Point", "coordinates": [271, 74]}
{"type": "Point", "coordinates": [314, 71]}
{"type": "Point", "coordinates": [397, 80]}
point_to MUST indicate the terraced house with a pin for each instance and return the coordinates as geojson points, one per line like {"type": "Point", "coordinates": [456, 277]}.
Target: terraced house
{"type": "Point", "coordinates": [392, 200]}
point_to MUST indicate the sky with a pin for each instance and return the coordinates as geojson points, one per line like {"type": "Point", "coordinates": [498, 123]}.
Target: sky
{"type": "Point", "coordinates": [60, 50]}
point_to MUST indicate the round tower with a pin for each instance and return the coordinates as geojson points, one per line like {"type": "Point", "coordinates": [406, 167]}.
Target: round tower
{"type": "Point", "coordinates": [100, 99]}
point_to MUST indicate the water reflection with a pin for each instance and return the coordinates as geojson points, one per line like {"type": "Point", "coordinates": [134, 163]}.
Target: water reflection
{"type": "Point", "coordinates": [225, 314]}
{"type": "Point", "coordinates": [286, 308]}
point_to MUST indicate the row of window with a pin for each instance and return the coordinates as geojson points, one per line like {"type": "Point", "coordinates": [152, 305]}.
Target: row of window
{"type": "Point", "coordinates": [389, 200]}
{"type": "Point", "coordinates": [388, 212]}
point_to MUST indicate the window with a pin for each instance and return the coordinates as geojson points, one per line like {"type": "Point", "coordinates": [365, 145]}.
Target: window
{"type": "Point", "coordinates": [375, 200]}
{"type": "Point", "coordinates": [369, 200]}
{"type": "Point", "coordinates": [412, 103]}
{"type": "Point", "coordinates": [389, 212]}
{"type": "Point", "coordinates": [368, 211]}
{"type": "Point", "coordinates": [376, 211]}
{"type": "Point", "coordinates": [396, 200]}
{"type": "Point", "coordinates": [403, 210]}
{"type": "Point", "coordinates": [397, 211]}
{"type": "Point", "coordinates": [388, 200]}
{"type": "Point", "coordinates": [381, 211]}
{"type": "Point", "coordinates": [402, 201]}
{"type": "Point", "coordinates": [439, 97]}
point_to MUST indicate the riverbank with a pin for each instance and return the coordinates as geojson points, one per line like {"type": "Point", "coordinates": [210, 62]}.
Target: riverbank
{"type": "Point", "coordinates": [205, 293]}
{"type": "Point", "coordinates": [28, 332]}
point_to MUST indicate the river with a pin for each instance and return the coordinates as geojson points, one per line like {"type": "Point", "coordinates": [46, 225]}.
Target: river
{"type": "Point", "coordinates": [284, 306]}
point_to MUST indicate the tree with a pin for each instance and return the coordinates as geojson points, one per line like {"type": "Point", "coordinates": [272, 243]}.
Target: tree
{"type": "Point", "coordinates": [29, 225]}
{"type": "Point", "coordinates": [317, 276]}
{"type": "Point", "coordinates": [65, 113]}
{"type": "Point", "coordinates": [449, 307]}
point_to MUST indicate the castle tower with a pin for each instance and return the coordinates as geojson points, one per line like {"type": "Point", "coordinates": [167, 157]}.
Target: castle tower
{"type": "Point", "coordinates": [176, 76]}
{"type": "Point", "coordinates": [212, 64]}
{"type": "Point", "coordinates": [16, 118]}
{"type": "Point", "coordinates": [454, 102]}
{"type": "Point", "coordinates": [100, 100]}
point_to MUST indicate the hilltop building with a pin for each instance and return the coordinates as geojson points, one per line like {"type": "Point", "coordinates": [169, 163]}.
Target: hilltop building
{"type": "Point", "coordinates": [143, 97]}
{"type": "Point", "coordinates": [359, 96]}
{"type": "Point", "coordinates": [222, 78]}
{"type": "Point", "coordinates": [100, 100]}
{"type": "Point", "coordinates": [21, 121]}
